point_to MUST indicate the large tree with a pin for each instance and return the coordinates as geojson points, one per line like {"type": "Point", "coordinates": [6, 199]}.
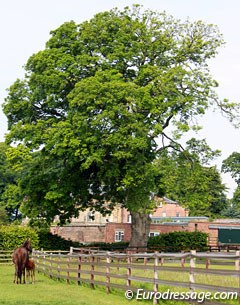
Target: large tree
{"type": "Point", "coordinates": [94, 103]}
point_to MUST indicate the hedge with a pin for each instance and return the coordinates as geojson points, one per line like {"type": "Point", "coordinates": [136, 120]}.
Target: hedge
{"type": "Point", "coordinates": [179, 241]}
{"type": "Point", "coordinates": [117, 246]}
{"type": "Point", "coordinates": [48, 241]}
{"type": "Point", "coordinates": [12, 237]}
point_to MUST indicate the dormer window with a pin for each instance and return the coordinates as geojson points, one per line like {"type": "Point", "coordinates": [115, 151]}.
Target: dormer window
{"type": "Point", "coordinates": [90, 217]}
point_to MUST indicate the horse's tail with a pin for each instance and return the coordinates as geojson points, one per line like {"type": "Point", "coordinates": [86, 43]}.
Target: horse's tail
{"type": "Point", "coordinates": [19, 269]}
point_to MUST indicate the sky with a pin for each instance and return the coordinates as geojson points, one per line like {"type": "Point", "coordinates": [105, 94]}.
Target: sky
{"type": "Point", "coordinates": [25, 27]}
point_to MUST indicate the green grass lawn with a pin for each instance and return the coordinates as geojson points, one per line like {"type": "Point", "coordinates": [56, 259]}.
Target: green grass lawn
{"type": "Point", "coordinates": [46, 291]}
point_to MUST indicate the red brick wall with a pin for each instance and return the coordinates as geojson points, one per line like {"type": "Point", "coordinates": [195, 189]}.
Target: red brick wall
{"type": "Point", "coordinates": [106, 233]}
{"type": "Point", "coordinates": [111, 228]}
{"type": "Point", "coordinates": [170, 210]}
{"type": "Point", "coordinates": [81, 233]}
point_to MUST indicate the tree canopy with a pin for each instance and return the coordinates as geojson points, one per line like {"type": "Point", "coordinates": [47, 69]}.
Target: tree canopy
{"type": "Point", "coordinates": [232, 165]}
{"type": "Point", "coordinates": [101, 102]}
{"type": "Point", "coordinates": [188, 178]}
{"type": "Point", "coordinates": [9, 201]}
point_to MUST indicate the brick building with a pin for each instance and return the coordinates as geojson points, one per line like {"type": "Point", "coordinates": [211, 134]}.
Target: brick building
{"type": "Point", "coordinates": [92, 226]}
{"type": "Point", "coordinates": [168, 216]}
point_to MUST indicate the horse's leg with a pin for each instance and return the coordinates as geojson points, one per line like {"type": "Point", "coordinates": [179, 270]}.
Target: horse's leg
{"type": "Point", "coordinates": [15, 274]}
{"type": "Point", "coordinates": [33, 275]}
{"type": "Point", "coordinates": [24, 276]}
{"type": "Point", "coordinates": [20, 272]}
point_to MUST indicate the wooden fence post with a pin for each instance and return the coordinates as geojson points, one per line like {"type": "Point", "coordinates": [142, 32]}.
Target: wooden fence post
{"type": "Point", "coordinates": [182, 260]}
{"type": "Point", "coordinates": [43, 261]}
{"type": "Point", "coordinates": [50, 271]}
{"type": "Point", "coordinates": [108, 261]}
{"type": "Point", "coordinates": [145, 263]}
{"type": "Point", "coordinates": [92, 271]}
{"type": "Point", "coordinates": [192, 266]}
{"type": "Point", "coordinates": [208, 261]}
{"type": "Point", "coordinates": [237, 261]}
{"type": "Point", "coordinates": [58, 268]}
{"type": "Point", "coordinates": [129, 270]}
{"type": "Point", "coordinates": [79, 268]}
{"type": "Point", "coordinates": [68, 267]}
{"type": "Point", "coordinates": [155, 285]}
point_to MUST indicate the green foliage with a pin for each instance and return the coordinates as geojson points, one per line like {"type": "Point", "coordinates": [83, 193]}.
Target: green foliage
{"type": "Point", "coordinates": [179, 241]}
{"type": "Point", "coordinates": [3, 216]}
{"type": "Point", "coordinates": [187, 178]}
{"type": "Point", "coordinates": [117, 246]}
{"type": "Point", "coordinates": [232, 210]}
{"type": "Point", "coordinates": [232, 165]}
{"type": "Point", "coordinates": [10, 198]}
{"type": "Point", "coordinates": [48, 241]}
{"type": "Point", "coordinates": [93, 104]}
{"type": "Point", "coordinates": [12, 237]}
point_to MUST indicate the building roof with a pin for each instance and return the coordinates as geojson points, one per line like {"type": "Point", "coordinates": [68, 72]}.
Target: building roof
{"type": "Point", "coordinates": [179, 219]}
{"type": "Point", "coordinates": [167, 200]}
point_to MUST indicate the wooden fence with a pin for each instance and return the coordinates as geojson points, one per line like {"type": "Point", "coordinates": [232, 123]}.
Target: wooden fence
{"type": "Point", "coordinates": [5, 256]}
{"type": "Point", "coordinates": [150, 271]}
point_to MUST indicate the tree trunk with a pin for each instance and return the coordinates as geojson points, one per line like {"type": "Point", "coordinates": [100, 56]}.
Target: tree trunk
{"type": "Point", "coordinates": [140, 231]}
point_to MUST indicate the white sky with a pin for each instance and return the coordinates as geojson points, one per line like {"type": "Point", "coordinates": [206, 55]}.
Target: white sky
{"type": "Point", "coordinates": [25, 27]}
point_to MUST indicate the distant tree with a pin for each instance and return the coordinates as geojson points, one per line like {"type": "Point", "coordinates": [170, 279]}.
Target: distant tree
{"type": "Point", "coordinates": [187, 178]}
{"type": "Point", "coordinates": [8, 185]}
{"type": "Point", "coordinates": [232, 165]}
{"type": "Point", "coordinates": [3, 216]}
{"type": "Point", "coordinates": [93, 105]}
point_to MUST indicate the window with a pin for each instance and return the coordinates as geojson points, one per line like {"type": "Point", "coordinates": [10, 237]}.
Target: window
{"type": "Point", "coordinates": [119, 236]}
{"type": "Point", "coordinates": [177, 214]}
{"type": "Point", "coordinates": [152, 234]}
{"type": "Point", "coordinates": [90, 217]}
{"type": "Point", "coordinates": [129, 218]}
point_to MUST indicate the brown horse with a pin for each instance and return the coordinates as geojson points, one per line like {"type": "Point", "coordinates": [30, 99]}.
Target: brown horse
{"type": "Point", "coordinates": [20, 257]}
{"type": "Point", "coordinates": [30, 266]}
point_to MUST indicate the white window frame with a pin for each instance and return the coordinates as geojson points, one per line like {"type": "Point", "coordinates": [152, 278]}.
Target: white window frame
{"type": "Point", "coordinates": [119, 235]}
{"type": "Point", "coordinates": [129, 218]}
{"type": "Point", "coordinates": [90, 217]}
{"type": "Point", "coordinates": [154, 233]}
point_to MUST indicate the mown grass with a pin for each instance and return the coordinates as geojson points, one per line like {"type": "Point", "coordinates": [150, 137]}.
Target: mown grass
{"type": "Point", "coordinates": [52, 292]}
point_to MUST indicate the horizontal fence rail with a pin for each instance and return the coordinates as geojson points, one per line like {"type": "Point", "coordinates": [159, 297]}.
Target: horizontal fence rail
{"type": "Point", "coordinates": [151, 271]}
{"type": "Point", "coordinates": [6, 256]}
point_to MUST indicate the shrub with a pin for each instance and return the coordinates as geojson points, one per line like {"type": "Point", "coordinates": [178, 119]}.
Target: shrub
{"type": "Point", "coordinates": [48, 241]}
{"type": "Point", "coordinates": [118, 246]}
{"type": "Point", "coordinates": [179, 241]}
{"type": "Point", "coordinates": [12, 237]}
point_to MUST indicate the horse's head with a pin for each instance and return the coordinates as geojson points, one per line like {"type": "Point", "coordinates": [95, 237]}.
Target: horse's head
{"type": "Point", "coordinates": [27, 245]}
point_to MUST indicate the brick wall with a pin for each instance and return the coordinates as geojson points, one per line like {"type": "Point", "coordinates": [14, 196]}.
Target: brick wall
{"type": "Point", "coordinates": [111, 228]}
{"type": "Point", "coordinates": [106, 233]}
{"type": "Point", "coordinates": [81, 233]}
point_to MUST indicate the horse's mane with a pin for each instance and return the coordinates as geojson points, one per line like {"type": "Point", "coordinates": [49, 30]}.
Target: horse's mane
{"type": "Point", "coordinates": [27, 245]}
